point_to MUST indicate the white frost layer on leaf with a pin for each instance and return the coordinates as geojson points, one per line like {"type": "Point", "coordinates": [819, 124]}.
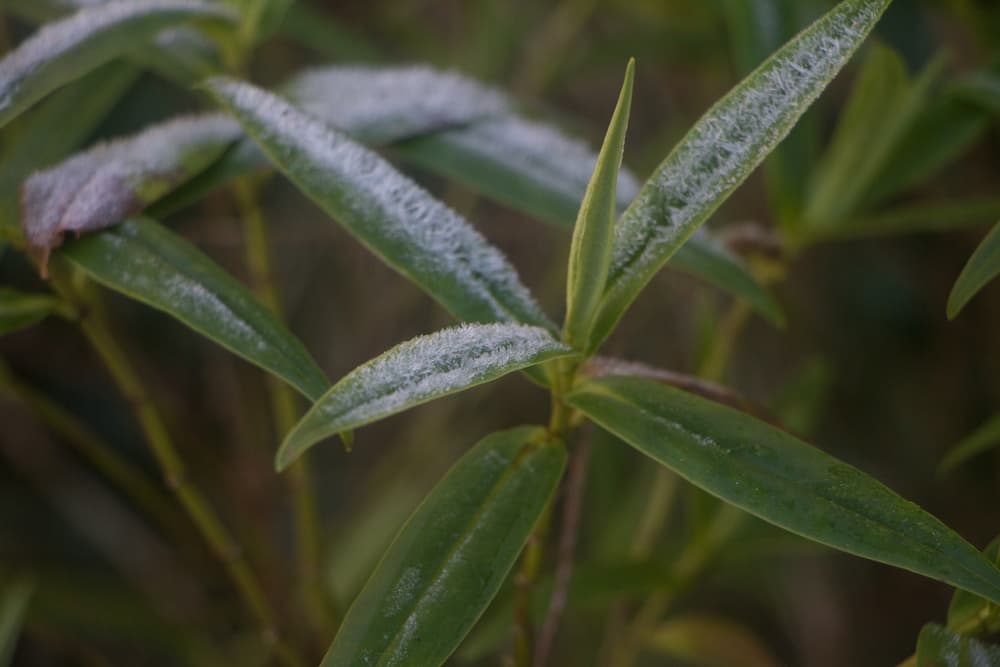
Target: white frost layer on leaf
{"type": "Point", "coordinates": [729, 142]}
{"type": "Point", "coordinates": [418, 235]}
{"type": "Point", "coordinates": [420, 370]}
{"type": "Point", "coordinates": [377, 104]}
{"type": "Point", "coordinates": [538, 153]}
{"type": "Point", "coordinates": [55, 43]}
{"type": "Point", "coordinates": [108, 183]}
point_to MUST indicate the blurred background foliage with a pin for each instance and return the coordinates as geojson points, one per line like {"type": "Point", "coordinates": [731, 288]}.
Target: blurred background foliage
{"type": "Point", "coordinates": [861, 222]}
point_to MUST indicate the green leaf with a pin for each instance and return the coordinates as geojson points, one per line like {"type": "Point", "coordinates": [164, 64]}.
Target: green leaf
{"type": "Point", "coordinates": [939, 647]}
{"type": "Point", "coordinates": [985, 438]}
{"type": "Point", "coordinates": [981, 89]}
{"type": "Point", "coordinates": [410, 230]}
{"type": "Point", "coordinates": [882, 109]}
{"type": "Point", "coordinates": [328, 38]}
{"type": "Point", "coordinates": [105, 185]}
{"type": "Point", "coordinates": [932, 216]}
{"type": "Point", "coordinates": [450, 558]}
{"type": "Point", "coordinates": [590, 251]}
{"type": "Point", "coordinates": [704, 640]}
{"type": "Point", "coordinates": [13, 605]}
{"type": "Point", "coordinates": [983, 266]}
{"type": "Point", "coordinates": [418, 371]}
{"type": "Point", "coordinates": [706, 258]}
{"type": "Point", "coordinates": [149, 263]}
{"type": "Point", "coordinates": [781, 479]}
{"type": "Point", "coordinates": [68, 49]}
{"type": "Point", "coordinates": [968, 612]}
{"type": "Point", "coordinates": [723, 148]}
{"type": "Point", "coordinates": [19, 310]}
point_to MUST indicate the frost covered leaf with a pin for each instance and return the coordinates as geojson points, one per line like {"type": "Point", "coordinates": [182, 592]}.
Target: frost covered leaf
{"type": "Point", "coordinates": [411, 231]}
{"type": "Point", "coordinates": [940, 647]}
{"type": "Point", "coordinates": [775, 476]}
{"type": "Point", "coordinates": [378, 105]}
{"type": "Point", "coordinates": [724, 147]}
{"type": "Point", "coordinates": [13, 605]}
{"type": "Point", "coordinates": [68, 49]}
{"type": "Point", "coordinates": [108, 183]}
{"type": "Point", "coordinates": [19, 310]}
{"type": "Point", "coordinates": [590, 251]}
{"type": "Point", "coordinates": [417, 371]}
{"type": "Point", "coordinates": [983, 266]}
{"type": "Point", "coordinates": [149, 263]}
{"type": "Point", "coordinates": [450, 558]}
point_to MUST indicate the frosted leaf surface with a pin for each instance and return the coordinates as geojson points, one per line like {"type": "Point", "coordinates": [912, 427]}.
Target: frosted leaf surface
{"type": "Point", "coordinates": [67, 49]}
{"type": "Point", "coordinates": [148, 262]}
{"type": "Point", "coordinates": [418, 371]}
{"type": "Point", "coordinates": [397, 219]}
{"type": "Point", "coordinates": [103, 186]}
{"type": "Point", "coordinates": [380, 105]}
{"type": "Point", "coordinates": [725, 146]}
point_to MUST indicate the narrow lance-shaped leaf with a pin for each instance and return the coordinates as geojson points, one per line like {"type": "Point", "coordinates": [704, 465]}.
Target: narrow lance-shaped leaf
{"type": "Point", "coordinates": [590, 251]}
{"type": "Point", "coordinates": [450, 558]}
{"type": "Point", "coordinates": [149, 263]}
{"type": "Point", "coordinates": [969, 613]}
{"type": "Point", "coordinates": [411, 231]}
{"type": "Point", "coordinates": [723, 148]}
{"type": "Point", "coordinates": [68, 49]}
{"type": "Point", "coordinates": [781, 479]}
{"type": "Point", "coordinates": [983, 266]}
{"type": "Point", "coordinates": [106, 184]}
{"type": "Point", "coordinates": [940, 647]}
{"type": "Point", "coordinates": [418, 371]}
{"type": "Point", "coordinates": [19, 310]}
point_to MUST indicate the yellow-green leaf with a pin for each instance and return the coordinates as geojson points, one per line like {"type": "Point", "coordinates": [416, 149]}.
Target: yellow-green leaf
{"type": "Point", "coordinates": [983, 266]}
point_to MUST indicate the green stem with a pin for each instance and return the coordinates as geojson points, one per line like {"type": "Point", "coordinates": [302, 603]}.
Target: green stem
{"type": "Point", "coordinates": [206, 520]}
{"type": "Point", "coordinates": [307, 526]}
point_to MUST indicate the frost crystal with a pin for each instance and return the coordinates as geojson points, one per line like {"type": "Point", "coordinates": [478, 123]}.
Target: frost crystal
{"type": "Point", "coordinates": [418, 235]}
{"type": "Point", "coordinates": [730, 141]}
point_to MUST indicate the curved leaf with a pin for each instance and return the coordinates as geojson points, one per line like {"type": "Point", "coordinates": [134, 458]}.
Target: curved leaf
{"type": "Point", "coordinates": [590, 251]}
{"type": "Point", "coordinates": [13, 605]}
{"type": "Point", "coordinates": [781, 479]}
{"type": "Point", "coordinates": [724, 147]}
{"type": "Point", "coordinates": [108, 183]}
{"type": "Point", "coordinates": [399, 221]}
{"type": "Point", "coordinates": [983, 266]}
{"type": "Point", "coordinates": [452, 555]}
{"type": "Point", "coordinates": [149, 263]}
{"type": "Point", "coordinates": [985, 438]}
{"type": "Point", "coordinates": [19, 310]}
{"type": "Point", "coordinates": [940, 647]}
{"type": "Point", "coordinates": [968, 612]}
{"type": "Point", "coordinates": [417, 371]}
{"type": "Point", "coordinates": [68, 49]}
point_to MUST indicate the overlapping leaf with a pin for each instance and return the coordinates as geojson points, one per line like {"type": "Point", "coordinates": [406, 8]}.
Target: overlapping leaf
{"type": "Point", "coordinates": [452, 555]}
{"type": "Point", "coordinates": [940, 647]}
{"type": "Point", "coordinates": [65, 50]}
{"type": "Point", "coordinates": [411, 231]}
{"type": "Point", "coordinates": [418, 371]}
{"type": "Point", "coordinates": [983, 266]}
{"type": "Point", "coordinates": [722, 149]}
{"type": "Point", "coordinates": [106, 184]}
{"type": "Point", "coordinates": [149, 263]}
{"type": "Point", "coordinates": [781, 479]}
{"type": "Point", "coordinates": [19, 310]}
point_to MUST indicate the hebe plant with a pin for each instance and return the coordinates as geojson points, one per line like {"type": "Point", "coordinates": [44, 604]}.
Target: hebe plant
{"type": "Point", "coordinates": [453, 555]}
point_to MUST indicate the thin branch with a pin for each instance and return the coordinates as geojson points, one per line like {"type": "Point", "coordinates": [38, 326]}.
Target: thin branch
{"type": "Point", "coordinates": [576, 482]}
